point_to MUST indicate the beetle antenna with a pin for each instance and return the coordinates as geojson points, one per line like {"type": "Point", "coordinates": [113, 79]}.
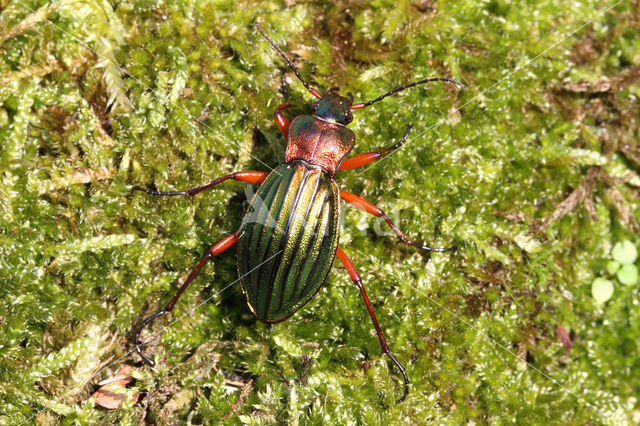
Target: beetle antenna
{"type": "Point", "coordinates": [398, 89]}
{"type": "Point", "coordinates": [311, 90]}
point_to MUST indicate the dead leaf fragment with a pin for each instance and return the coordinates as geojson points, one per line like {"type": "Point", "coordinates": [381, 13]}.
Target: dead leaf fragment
{"type": "Point", "coordinates": [562, 334]}
{"type": "Point", "coordinates": [616, 84]}
{"type": "Point", "coordinates": [624, 210]}
{"type": "Point", "coordinates": [111, 395]}
{"type": "Point", "coordinates": [579, 194]}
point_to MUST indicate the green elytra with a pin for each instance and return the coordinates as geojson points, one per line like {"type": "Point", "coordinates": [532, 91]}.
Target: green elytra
{"type": "Point", "coordinates": [289, 235]}
{"type": "Point", "coordinates": [288, 239]}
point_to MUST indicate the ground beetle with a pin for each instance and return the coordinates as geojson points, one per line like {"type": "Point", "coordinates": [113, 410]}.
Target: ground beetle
{"type": "Point", "coordinates": [288, 238]}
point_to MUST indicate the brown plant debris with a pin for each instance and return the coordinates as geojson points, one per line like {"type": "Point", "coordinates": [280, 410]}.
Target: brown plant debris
{"type": "Point", "coordinates": [616, 84]}
{"type": "Point", "coordinates": [579, 194]}
{"type": "Point", "coordinates": [626, 215]}
{"type": "Point", "coordinates": [562, 334]}
{"type": "Point", "coordinates": [111, 395]}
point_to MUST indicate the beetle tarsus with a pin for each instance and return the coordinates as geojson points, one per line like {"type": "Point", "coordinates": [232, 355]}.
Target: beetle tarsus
{"type": "Point", "coordinates": [311, 90]}
{"type": "Point", "coordinates": [250, 177]}
{"type": "Point", "coordinates": [404, 376]}
{"type": "Point", "coordinates": [214, 251]}
{"type": "Point", "coordinates": [357, 280]}
{"type": "Point", "coordinates": [150, 192]}
{"type": "Point", "coordinates": [285, 92]}
{"type": "Point", "coordinates": [398, 144]}
{"type": "Point", "coordinates": [363, 204]}
{"type": "Point", "coordinates": [435, 249]}
{"type": "Point", "coordinates": [143, 325]}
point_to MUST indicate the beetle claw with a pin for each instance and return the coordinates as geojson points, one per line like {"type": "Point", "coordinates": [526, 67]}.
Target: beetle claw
{"type": "Point", "coordinates": [441, 250]}
{"type": "Point", "coordinates": [137, 339]}
{"type": "Point", "coordinates": [436, 249]}
{"type": "Point", "coordinates": [404, 376]}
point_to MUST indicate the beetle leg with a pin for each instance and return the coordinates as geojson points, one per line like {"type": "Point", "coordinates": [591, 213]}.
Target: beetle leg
{"type": "Point", "coordinates": [355, 277]}
{"type": "Point", "coordinates": [223, 245]}
{"type": "Point", "coordinates": [251, 177]}
{"type": "Point", "coordinates": [369, 157]}
{"type": "Point", "coordinates": [283, 84]}
{"type": "Point", "coordinates": [363, 204]}
{"type": "Point", "coordinates": [281, 119]}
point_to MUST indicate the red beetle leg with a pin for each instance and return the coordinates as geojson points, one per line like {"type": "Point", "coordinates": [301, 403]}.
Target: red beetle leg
{"type": "Point", "coordinates": [355, 277]}
{"type": "Point", "coordinates": [369, 157]}
{"type": "Point", "coordinates": [216, 250]}
{"type": "Point", "coordinates": [281, 120]}
{"type": "Point", "coordinates": [250, 177]}
{"type": "Point", "coordinates": [363, 204]}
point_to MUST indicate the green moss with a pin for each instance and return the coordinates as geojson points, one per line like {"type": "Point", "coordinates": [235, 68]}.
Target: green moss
{"type": "Point", "coordinates": [532, 172]}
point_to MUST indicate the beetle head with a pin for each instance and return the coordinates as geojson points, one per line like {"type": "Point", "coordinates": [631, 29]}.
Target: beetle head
{"type": "Point", "coordinates": [333, 108]}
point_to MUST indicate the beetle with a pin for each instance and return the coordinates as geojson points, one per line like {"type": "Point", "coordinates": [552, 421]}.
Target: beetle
{"type": "Point", "coordinates": [288, 238]}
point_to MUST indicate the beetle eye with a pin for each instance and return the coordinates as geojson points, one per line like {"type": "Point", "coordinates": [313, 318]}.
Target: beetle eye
{"type": "Point", "coordinates": [349, 118]}
{"type": "Point", "coordinates": [314, 106]}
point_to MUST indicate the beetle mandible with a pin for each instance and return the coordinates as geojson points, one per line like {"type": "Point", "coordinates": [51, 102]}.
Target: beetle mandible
{"type": "Point", "coordinates": [288, 237]}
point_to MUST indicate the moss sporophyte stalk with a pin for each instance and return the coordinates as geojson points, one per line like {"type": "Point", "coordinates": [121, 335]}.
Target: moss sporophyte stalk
{"type": "Point", "coordinates": [532, 172]}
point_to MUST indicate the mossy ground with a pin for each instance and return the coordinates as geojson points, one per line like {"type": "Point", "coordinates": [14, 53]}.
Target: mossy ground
{"type": "Point", "coordinates": [531, 172]}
